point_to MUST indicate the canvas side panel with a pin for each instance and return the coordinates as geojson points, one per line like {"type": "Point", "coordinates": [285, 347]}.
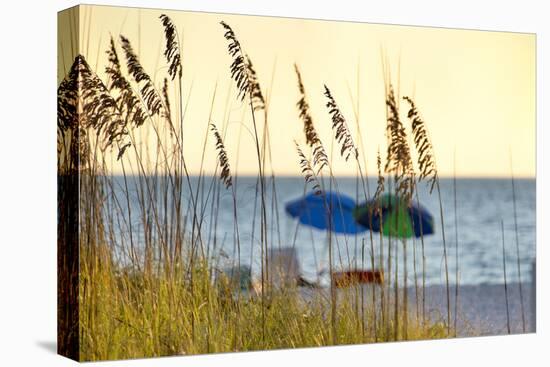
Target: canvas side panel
{"type": "Point", "coordinates": [68, 148]}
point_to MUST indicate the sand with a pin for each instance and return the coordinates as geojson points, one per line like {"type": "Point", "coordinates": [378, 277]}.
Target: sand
{"type": "Point", "coordinates": [482, 308]}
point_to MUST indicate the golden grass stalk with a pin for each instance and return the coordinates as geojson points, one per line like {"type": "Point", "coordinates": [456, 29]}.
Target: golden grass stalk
{"type": "Point", "coordinates": [245, 77]}
{"type": "Point", "coordinates": [428, 171]}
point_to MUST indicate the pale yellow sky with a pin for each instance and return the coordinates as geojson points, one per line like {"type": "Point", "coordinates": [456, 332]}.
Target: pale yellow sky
{"type": "Point", "coordinates": [475, 89]}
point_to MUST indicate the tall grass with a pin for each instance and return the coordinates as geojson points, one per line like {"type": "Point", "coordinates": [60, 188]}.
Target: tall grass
{"type": "Point", "coordinates": [151, 280]}
{"type": "Point", "coordinates": [522, 306]}
{"type": "Point", "coordinates": [428, 171]}
{"type": "Point", "coordinates": [505, 278]}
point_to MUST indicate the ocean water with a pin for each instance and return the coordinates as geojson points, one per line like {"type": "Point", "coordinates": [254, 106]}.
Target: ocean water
{"type": "Point", "coordinates": [481, 206]}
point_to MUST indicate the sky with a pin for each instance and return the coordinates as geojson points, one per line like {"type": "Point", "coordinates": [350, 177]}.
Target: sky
{"type": "Point", "coordinates": [474, 89]}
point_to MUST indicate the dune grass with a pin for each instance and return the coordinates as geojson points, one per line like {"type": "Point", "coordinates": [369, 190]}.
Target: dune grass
{"type": "Point", "coordinates": [160, 292]}
{"type": "Point", "coordinates": [133, 315]}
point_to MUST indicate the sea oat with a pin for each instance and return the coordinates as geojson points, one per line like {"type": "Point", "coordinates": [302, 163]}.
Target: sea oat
{"type": "Point", "coordinates": [339, 125]}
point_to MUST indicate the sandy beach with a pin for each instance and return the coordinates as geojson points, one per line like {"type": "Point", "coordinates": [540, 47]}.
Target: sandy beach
{"type": "Point", "coordinates": [482, 308]}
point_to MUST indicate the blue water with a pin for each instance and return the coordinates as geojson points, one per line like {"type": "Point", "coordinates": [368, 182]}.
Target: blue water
{"type": "Point", "coordinates": [481, 206]}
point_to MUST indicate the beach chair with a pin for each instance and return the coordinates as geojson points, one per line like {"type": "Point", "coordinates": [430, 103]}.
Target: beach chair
{"type": "Point", "coordinates": [342, 279]}
{"type": "Point", "coordinates": [235, 277]}
{"type": "Point", "coordinates": [284, 268]}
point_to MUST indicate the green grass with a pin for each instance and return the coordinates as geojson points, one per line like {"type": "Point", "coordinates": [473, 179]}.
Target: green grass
{"type": "Point", "coordinates": [128, 314]}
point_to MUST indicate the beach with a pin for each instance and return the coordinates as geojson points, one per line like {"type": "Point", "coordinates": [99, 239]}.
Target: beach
{"type": "Point", "coordinates": [482, 308]}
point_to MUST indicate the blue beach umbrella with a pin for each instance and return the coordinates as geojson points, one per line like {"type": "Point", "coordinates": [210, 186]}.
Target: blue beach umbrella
{"type": "Point", "coordinates": [328, 210]}
{"type": "Point", "coordinates": [395, 218]}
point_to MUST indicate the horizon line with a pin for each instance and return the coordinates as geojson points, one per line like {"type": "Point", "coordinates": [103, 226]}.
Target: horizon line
{"type": "Point", "coordinates": [345, 176]}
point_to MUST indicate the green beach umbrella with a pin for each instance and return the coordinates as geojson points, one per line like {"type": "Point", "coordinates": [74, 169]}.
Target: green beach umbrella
{"type": "Point", "coordinates": [395, 217]}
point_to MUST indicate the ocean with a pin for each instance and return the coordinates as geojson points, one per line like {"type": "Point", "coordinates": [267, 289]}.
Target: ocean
{"type": "Point", "coordinates": [481, 206]}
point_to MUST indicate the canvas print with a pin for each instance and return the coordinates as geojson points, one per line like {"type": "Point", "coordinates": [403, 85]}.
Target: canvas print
{"type": "Point", "coordinates": [232, 183]}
